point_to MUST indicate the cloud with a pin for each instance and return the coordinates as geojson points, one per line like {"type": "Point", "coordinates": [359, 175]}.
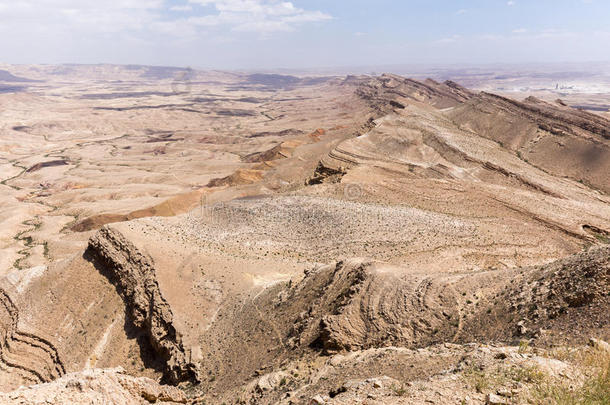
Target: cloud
{"type": "Point", "coordinates": [510, 3]}
{"type": "Point", "coordinates": [185, 7]}
{"type": "Point", "coordinates": [449, 40]}
{"type": "Point", "coordinates": [141, 17]}
{"type": "Point", "coordinates": [520, 31]}
{"type": "Point", "coordinates": [257, 15]}
{"type": "Point", "coordinates": [79, 16]}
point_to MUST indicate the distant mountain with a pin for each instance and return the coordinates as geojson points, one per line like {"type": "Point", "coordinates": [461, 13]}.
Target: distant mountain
{"type": "Point", "coordinates": [6, 76]}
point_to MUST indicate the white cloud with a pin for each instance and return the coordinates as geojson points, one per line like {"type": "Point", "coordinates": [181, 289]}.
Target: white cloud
{"type": "Point", "coordinates": [84, 17]}
{"type": "Point", "coordinates": [185, 7]}
{"type": "Point", "coordinates": [510, 3]}
{"type": "Point", "coordinates": [80, 16]}
{"type": "Point", "coordinates": [449, 40]}
{"type": "Point", "coordinates": [520, 31]}
{"type": "Point", "coordinates": [257, 15]}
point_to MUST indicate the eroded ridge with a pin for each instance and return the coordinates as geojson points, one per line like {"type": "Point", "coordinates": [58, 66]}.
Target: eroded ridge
{"type": "Point", "coordinates": [357, 305]}
{"type": "Point", "coordinates": [34, 359]}
{"type": "Point", "coordinates": [133, 274]}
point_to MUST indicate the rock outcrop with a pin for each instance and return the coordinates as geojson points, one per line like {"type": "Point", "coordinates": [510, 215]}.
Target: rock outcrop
{"type": "Point", "coordinates": [133, 274]}
{"type": "Point", "coordinates": [388, 92]}
{"type": "Point", "coordinates": [109, 386]}
{"type": "Point", "coordinates": [357, 305]}
{"type": "Point", "coordinates": [25, 356]}
{"type": "Point", "coordinates": [557, 138]}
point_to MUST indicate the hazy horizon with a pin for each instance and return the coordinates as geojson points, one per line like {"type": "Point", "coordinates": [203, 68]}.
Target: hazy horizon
{"type": "Point", "coordinates": [274, 34]}
{"type": "Point", "coordinates": [357, 69]}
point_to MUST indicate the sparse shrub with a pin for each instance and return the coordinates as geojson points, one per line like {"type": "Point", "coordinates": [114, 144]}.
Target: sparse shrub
{"type": "Point", "coordinates": [488, 380]}
{"type": "Point", "coordinates": [524, 346]}
{"type": "Point", "coordinates": [477, 379]}
{"type": "Point", "coordinates": [594, 391]}
{"type": "Point", "coordinates": [532, 375]}
{"type": "Point", "coordinates": [399, 391]}
{"type": "Point", "coordinates": [603, 238]}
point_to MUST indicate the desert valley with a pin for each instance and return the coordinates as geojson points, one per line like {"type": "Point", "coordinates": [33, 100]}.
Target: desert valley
{"type": "Point", "coordinates": [172, 235]}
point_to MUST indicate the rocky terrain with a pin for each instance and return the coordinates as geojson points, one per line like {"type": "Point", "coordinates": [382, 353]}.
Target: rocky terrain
{"type": "Point", "coordinates": [176, 236]}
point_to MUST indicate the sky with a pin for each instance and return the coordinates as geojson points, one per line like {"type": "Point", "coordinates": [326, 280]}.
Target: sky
{"type": "Point", "coordinates": [267, 34]}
